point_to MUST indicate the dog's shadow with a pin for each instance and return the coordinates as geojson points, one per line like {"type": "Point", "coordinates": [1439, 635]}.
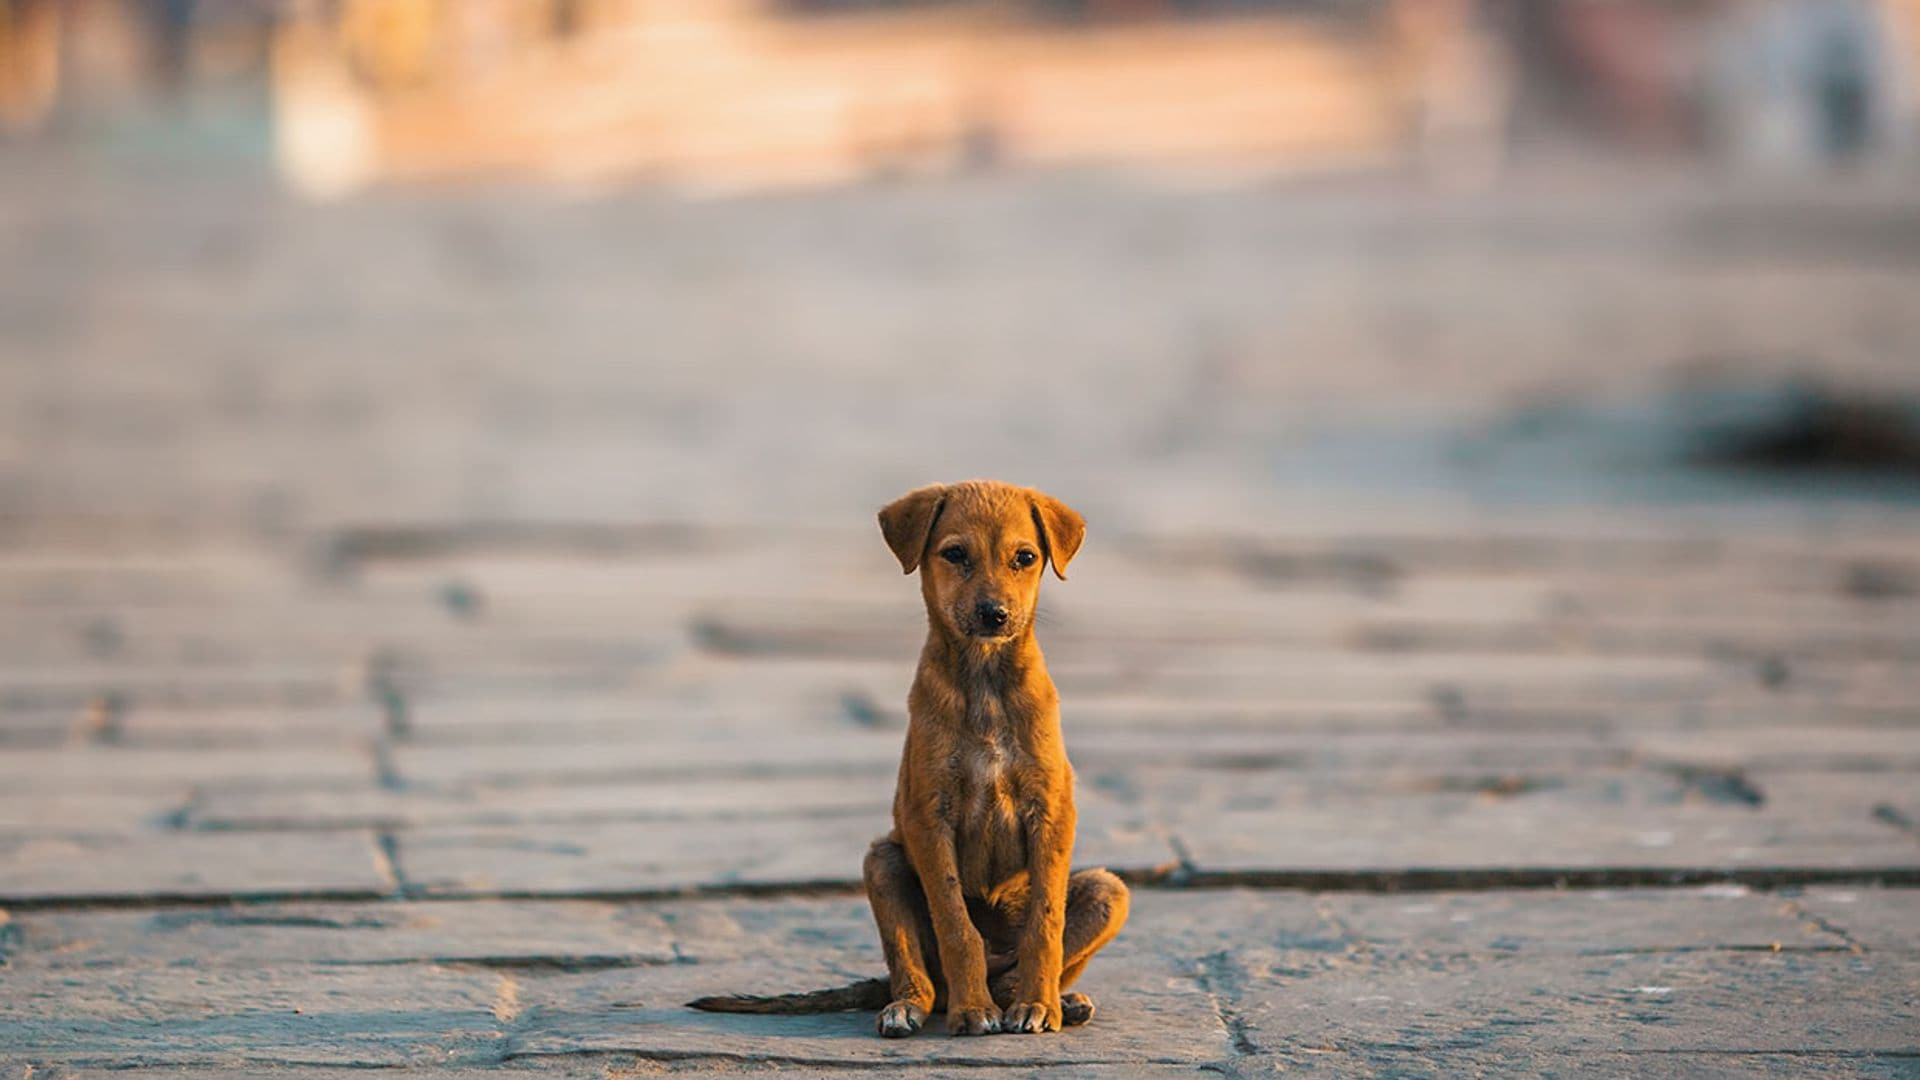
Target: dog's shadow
{"type": "Point", "coordinates": [820, 1038]}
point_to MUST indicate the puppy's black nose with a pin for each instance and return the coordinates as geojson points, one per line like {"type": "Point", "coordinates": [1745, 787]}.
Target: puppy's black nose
{"type": "Point", "coordinates": [991, 613]}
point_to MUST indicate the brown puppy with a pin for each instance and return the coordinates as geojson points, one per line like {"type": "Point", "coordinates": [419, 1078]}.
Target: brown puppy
{"type": "Point", "coordinates": [971, 890]}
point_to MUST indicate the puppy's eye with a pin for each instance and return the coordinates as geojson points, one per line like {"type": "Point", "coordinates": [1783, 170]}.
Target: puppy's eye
{"type": "Point", "coordinates": [1025, 559]}
{"type": "Point", "coordinates": [954, 554]}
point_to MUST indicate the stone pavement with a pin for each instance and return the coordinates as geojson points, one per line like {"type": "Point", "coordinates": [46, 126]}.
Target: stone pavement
{"type": "Point", "coordinates": [1632, 803]}
{"type": "Point", "coordinates": [443, 634]}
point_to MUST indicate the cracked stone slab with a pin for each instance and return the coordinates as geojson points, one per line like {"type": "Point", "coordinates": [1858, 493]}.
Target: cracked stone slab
{"type": "Point", "coordinates": [255, 726]}
{"type": "Point", "coordinates": [869, 754]}
{"type": "Point", "coordinates": [1429, 1064]}
{"type": "Point", "coordinates": [1879, 920]}
{"type": "Point", "coordinates": [618, 1067]}
{"type": "Point", "coordinates": [507, 935]}
{"type": "Point", "coordinates": [671, 856]}
{"type": "Point", "coordinates": [235, 1017]}
{"type": "Point", "coordinates": [1579, 922]}
{"type": "Point", "coordinates": [663, 799]}
{"type": "Point", "coordinates": [637, 858]}
{"type": "Point", "coordinates": [1333, 982]}
{"type": "Point", "coordinates": [1800, 748]}
{"type": "Point", "coordinates": [878, 751]}
{"type": "Point", "coordinates": [1148, 1011]}
{"type": "Point", "coordinates": [1095, 716]}
{"type": "Point", "coordinates": [1187, 797]}
{"type": "Point", "coordinates": [173, 864]}
{"type": "Point", "coordinates": [1293, 750]}
{"type": "Point", "coordinates": [1119, 836]}
{"type": "Point", "coordinates": [1423, 925]}
{"type": "Point", "coordinates": [1890, 799]}
{"type": "Point", "coordinates": [1245, 673]}
{"type": "Point", "coordinates": [38, 727]}
{"type": "Point", "coordinates": [173, 686]}
{"type": "Point", "coordinates": [583, 719]}
{"type": "Point", "coordinates": [1544, 1006]}
{"type": "Point", "coordinates": [120, 769]}
{"type": "Point", "coordinates": [1110, 834]}
{"type": "Point", "coordinates": [694, 690]}
{"type": "Point", "coordinates": [90, 813]}
{"type": "Point", "coordinates": [843, 627]}
{"type": "Point", "coordinates": [1465, 832]}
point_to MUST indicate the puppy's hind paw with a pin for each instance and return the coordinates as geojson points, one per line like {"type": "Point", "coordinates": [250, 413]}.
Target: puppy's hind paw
{"type": "Point", "coordinates": [1075, 1009]}
{"type": "Point", "coordinates": [900, 1019]}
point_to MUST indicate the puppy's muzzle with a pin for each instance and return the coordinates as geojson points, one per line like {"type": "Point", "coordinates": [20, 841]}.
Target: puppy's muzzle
{"type": "Point", "coordinates": [991, 619]}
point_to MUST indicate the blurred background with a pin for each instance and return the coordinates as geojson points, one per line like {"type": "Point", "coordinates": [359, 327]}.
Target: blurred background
{"type": "Point", "coordinates": [439, 444]}
{"type": "Point", "coordinates": [439, 439]}
{"type": "Point", "coordinates": [284, 265]}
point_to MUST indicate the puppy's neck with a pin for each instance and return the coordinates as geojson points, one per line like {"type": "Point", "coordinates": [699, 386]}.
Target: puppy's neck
{"type": "Point", "coordinates": [985, 670]}
{"type": "Point", "coordinates": [1003, 660]}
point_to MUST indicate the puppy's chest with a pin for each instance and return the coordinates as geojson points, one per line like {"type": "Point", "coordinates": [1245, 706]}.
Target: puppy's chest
{"type": "Point", "coordinates": [986, 807]}
{"type": "Point", "coordinates": [986, 777]}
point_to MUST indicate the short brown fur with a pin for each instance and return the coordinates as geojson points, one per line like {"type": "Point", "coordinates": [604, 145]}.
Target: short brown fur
{"type": "Point", "coordinates": [972, 891]}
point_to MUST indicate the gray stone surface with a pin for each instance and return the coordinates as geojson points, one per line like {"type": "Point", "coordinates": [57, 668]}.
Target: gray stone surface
{"type": "Point", "coordinates": [1530, 820]}
{"type": "Point", "coordinates": [623, 1067]}
{"type": "Point", "coordinates": [663, 799]}
{"type": "Point", "coordinates": [1581, 922]}
{"type": "Point", "coordinates": [1242, 981]}
{"type": "Point", "coordinates": [255, 726]}
{"type": "Point", "coordinates": [636, 858]}
{"type": "Point", "coordinates": [95, 813]}
{"type": "Point", "coordinates": [871, 754]}
{"type": "Point", "coordinates": [1881, 920]}
{"type": "Point", "coordinates": [1143, 1020]}
{"type": "Point", "coordinates": [227, 1017]}
{"type": "Point", "coordinates": [496, 934]}
{"type": "Point", "coordinates": [1688, 1002]}
{"type": "Point", "coordinates": [113, 768]}
{"type": "Point", "coordinates": [163, 865]}
{"type": "Point", "coordinates": [481, 660]}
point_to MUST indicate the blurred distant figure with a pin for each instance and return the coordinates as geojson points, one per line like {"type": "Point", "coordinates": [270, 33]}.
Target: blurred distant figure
{"type": "Point", "coordinates": [322, 70]}
{"type": "Point", "coordinates": [1630, 56]}
{"type": "Point", "coordinates": [1793, 83]}
{"type": "Point", "coordinates": [391, 42]}
{"type": "Point", "coordinates": [68, 61]}
{"type": "Point", "coordinates": [1454, 88]}
{"type": "Point", "coordinates": [29, 62]}
{"type": "Point", "coordinates": [171, 24]}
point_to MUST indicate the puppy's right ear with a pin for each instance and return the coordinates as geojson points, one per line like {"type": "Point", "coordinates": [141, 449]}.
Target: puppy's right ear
{"type": "Point", "coordinates": [908, 520]}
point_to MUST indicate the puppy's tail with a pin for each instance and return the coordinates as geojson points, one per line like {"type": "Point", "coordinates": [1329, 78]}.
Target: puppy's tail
{"type": "Point", "coordinates": [865, 994]}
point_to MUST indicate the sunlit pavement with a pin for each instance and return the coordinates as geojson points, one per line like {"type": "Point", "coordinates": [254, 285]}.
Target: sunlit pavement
{"type": "Point", "coordinates": [445, 636]}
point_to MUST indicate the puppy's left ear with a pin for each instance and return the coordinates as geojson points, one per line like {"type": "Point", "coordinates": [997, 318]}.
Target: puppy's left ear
{"type": "Point", "coordinates": [1061, 530]}
{"type": "Point", "coordinates": [907, 521]}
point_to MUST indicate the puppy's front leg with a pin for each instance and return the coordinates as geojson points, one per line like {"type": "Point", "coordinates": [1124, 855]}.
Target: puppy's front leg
{"type": "Point", "coordinates": [1036, 995]}
{"type": "Point", "coordinates": [963, 955]}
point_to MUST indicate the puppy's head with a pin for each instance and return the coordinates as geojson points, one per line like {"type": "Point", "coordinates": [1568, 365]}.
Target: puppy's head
{"type": "Point", "coordinates": [980, 548]}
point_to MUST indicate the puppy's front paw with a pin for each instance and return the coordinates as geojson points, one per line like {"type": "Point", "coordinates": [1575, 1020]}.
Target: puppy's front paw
{"type": "Point", "coordinates": [900, 1019]}
{"type": "Point", "coordinates": [984, 1020]}
{"type": "Point", "coordinates": [1031, 1017]}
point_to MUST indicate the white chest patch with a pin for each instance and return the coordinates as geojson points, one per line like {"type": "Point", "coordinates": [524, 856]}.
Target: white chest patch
{"type": "Point", "coordinates": [989, 767]}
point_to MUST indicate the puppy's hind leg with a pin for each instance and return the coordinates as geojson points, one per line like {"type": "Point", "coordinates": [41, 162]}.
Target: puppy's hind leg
{"type": "Point", "coordinates": [906, 936]}
{"type": "Point", "coordinates": [1097, 906]}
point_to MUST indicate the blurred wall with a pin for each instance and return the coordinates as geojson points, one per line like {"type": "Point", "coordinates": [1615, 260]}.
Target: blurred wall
{"type": "Point", "coordinates": [758, 93]}
{"type": "Point", "coordinates": [749, 93]}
